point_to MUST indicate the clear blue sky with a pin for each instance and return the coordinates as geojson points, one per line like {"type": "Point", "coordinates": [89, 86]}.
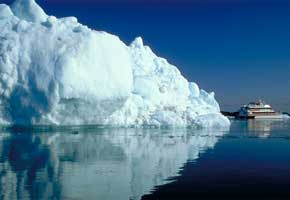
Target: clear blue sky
{"type": "Point", "coordinates": [240, 49]}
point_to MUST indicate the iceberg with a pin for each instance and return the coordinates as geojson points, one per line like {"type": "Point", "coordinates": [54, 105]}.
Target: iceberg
{"type": "Point", "coordinates": [58, 71]}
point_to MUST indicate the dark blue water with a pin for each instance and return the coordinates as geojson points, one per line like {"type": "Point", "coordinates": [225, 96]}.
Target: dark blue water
{"type": "Point", "coordinates": [249, 161]}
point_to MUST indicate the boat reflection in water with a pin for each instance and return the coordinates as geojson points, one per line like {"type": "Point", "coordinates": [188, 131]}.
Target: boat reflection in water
{"type": "Point", "coordinates": [96, 163]}
{"type": "Point", "coordinates": [263, 128]}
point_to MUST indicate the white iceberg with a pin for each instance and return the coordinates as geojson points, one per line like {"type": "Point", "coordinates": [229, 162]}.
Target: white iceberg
{"type": "Point", "coordinates": [57, 71]}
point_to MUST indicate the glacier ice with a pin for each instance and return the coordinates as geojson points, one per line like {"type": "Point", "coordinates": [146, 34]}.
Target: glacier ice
{"type": "Point", "coordinates": [28, 10]}
{"type": "Point", "coordinates": [57, 71]}
{"type": "Point", "coordinates": [161, 96]}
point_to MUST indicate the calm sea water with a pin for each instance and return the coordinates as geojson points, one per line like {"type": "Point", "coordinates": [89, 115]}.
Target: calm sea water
{"type": "Point", "coordinates": [249, 161]}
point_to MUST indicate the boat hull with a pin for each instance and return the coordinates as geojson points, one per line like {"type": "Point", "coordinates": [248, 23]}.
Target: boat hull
{"type": "Point", "coordinates": [270, 117]}
{"type": "Point", "coordinates": [262, 117]}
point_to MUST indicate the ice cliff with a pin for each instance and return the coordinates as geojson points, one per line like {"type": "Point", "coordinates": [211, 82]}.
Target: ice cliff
{"type": "Point", "coordinates": [57, 71]}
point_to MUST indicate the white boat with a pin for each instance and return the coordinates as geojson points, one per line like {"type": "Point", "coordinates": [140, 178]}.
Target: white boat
{"type": "Point", "coordinates": [258, 110]}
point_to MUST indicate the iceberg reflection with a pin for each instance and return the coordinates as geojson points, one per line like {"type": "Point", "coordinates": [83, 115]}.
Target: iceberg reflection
{"type": "Point", "coordinates": [97, 163]}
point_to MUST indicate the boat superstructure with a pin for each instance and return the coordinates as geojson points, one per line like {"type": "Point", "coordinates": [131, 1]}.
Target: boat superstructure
{"type": "Point", "coordinates": [258, 110]}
